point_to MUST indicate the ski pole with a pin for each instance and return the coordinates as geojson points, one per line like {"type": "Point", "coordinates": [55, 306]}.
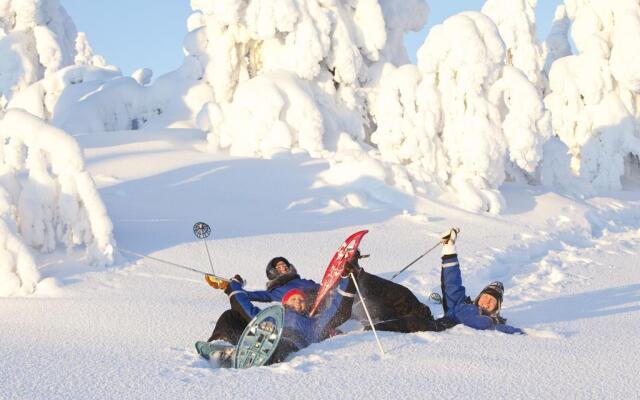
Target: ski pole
{"type": "Point", "coordinates": [457, 230]}
{"type": "Point", "coordinates": [133, 253]}
{"type": "Point", "coordinates": [364, 305]}
{"type": "Point", "coordinates": [415, 261]}
{"type": "Point", "coordinates": [202, 231]}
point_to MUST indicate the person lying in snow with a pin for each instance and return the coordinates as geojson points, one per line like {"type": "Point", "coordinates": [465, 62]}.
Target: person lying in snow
{"type": "Point", "coordinates": [393, 307]}
{"type": "Point", "coordinates": [484, 311]}
{"type": "Point", "coordinates": [299, 330]}
{"type": "Point", "coordinates": [282, 277]}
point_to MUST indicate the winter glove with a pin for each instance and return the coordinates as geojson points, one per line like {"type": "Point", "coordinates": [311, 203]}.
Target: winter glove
{"type": "Point", "coordinates": [352, 266]}
{"type": "Point", "coordinates": [216, 282]}
{"type": "Point", "coordinates": [510, 329]}
{"type": "Point", "coordinates": [237, 280]}
{"type": "Point", "coordinates": [449, 241]}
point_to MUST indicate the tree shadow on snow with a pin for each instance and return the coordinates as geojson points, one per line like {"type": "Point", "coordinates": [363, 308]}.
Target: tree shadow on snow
{"type": "Point", "coordinates": [241, 198]}
{"type": "Point", "coordinates": [599, 303]}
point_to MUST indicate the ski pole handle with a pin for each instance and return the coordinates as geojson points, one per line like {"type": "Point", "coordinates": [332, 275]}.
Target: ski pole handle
{"type": "Point", "coordinates": [215, 282]}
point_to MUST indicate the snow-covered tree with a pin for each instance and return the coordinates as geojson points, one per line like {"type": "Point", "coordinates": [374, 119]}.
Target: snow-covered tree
{"type": "Point", "coordinates": [516, 22]}
{"type": "Point", "coordinates": [42, 55]}
{"type": "Point", "coordinates": [460, 61]}
{"type": "Point", "coordinates": [46, 198]}
{"type": "Point", "coordinates": [526, 124]}
{"type": "Point", "coordinates": [595, 95]}
{"type": "Point", "coordinates": [461, 119]}
{"type": "Point", "coordinates": [304, 61]}
{"type": "Point", "coordinates": [556, 45]}
{"type": "Point", "coordinates": [18, 272]}
{"type": "Point", "coordinates": [37, 38]}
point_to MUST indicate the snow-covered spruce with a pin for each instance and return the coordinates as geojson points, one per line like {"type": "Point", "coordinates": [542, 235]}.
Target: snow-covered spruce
{"type": "Point", "coordinates": [53, 199]}
{"type": "Point", "coordinates": [49, 69]}
{"type": "Point", "coordinates": [462, 120]}
{"type": "Point", "coordinates": [556, 45]}
{"type": "Point", "coordinates": [85, 99]}
{"type": "Point", "coordinates": [37, 38]}
{"type": "Point", "coordinates": [58, 95]}
{"type": "Point", "coordinates": [307, 60]}
{"type": "Point", "coordinates": [595, 95]}
{"type": "Point", "coordinates": [516, 23]}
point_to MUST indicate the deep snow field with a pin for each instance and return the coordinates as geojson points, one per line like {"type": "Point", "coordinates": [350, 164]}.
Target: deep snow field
{"type": "Point", "coordinates": [570, 268]}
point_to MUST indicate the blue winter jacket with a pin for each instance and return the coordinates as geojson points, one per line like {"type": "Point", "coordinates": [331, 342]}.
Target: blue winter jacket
{"type": "Point", "coordinates": [459, 308]}
{"type": "Point", "coordinates": [300, 329]}
{"type": "Point", "coordinates": [278, 292]}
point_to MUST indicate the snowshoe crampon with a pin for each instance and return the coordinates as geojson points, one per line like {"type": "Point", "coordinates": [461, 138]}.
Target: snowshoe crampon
{"type": "Point", "coordinates": [260, 338]}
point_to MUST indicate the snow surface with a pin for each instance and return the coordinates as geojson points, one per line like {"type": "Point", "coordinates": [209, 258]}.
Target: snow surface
{"type": "Point", "coordinates": [128, 331]}
{"type": "Point", "coordinates": [290, 125]}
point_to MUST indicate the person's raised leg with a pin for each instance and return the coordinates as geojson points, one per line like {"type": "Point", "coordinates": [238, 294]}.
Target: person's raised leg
{"type": "Point", "coordinates": [229, 327]}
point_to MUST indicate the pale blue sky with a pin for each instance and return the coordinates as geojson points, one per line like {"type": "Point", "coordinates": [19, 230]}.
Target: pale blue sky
{"type": "Point", "coordinates": [148, 33]}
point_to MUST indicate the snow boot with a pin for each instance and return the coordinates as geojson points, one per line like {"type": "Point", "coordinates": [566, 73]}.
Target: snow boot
{"type": "Point", "coordinates": [219, 353]}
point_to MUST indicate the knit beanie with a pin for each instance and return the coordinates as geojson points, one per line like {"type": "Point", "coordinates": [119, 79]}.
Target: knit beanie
{"type": "Point", "coordinates": [293, 292]}
{"type": "Point", "coordinates": [495, 289]}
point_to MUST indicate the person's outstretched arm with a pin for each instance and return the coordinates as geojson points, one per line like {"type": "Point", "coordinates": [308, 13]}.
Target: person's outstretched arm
{"type": "Point", "coordinates": [276, 293]}
{"type": "Point", "coordinates": [453, 292]}
{"type": "Point", "coordinates": [471, 318]}
{"type": "Point", "coordinates": [262, 296]}
{"type": "Point", "coordinates": [240, 301]}
{"type": "Point", "coordinates": [338, 311]}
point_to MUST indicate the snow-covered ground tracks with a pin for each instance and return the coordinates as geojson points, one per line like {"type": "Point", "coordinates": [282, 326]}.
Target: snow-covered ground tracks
{"type": "Point", "coordinates": [570, 269]}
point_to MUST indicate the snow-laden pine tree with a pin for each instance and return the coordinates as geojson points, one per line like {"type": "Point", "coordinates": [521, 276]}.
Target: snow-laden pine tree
{"type": "Point", "coordinates": [46, 198]}
{"type": "Point", "coordinates": [557, 45]}
{"type": "Point", "coordinates": [37, 38]}
{"type": "Point", "coordinates": [460, 61]}
{"type": "Point", "coordinates": [46, 66]}
{"type": "Point", "coordinates": [289, 74]}
{"type": "Point", "coordinates": [462, 119]}
{"type": "Point", "coordinates": [595, 94]}
{"type": "Point", "coordinates": [516, 22]}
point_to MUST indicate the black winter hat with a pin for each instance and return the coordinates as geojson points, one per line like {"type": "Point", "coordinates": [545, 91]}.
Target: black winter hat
{"type": "Point", "coordinates": [495, 289]}
{"type": "Point", "coordinates": [272, 273]}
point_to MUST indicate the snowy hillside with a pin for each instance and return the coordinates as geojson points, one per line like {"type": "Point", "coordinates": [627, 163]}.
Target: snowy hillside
{"type": "Point", "coordinates": [290, 125]}
{"type": "Point", "coordinates": [128, 332]}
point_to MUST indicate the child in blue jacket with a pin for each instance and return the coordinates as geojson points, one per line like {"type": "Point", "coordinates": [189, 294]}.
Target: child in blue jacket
{"type": "Point", "coordinates": [484, 311]}
{"type": "Point", "coordinates": [394, 307]}
{"type": "Point", "coordinates": [299, 329]}
{"type": "Point", "coordinates": [282, 277]}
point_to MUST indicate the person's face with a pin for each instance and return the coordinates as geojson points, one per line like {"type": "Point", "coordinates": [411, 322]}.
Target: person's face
{"type": "Point", "coordinates": [296, 303]}
{"type": "Point", "coordinates": [487, 303]}
{"type": "Point", "coordinates": [282, 267]}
